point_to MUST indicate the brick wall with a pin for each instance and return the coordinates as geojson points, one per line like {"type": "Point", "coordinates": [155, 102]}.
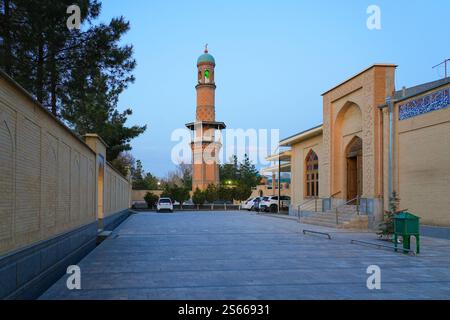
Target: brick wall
{"type": "Point", "coordinates": [48, 183]}
{"type": "Point", "coordinates": [422, 164]}
{"type": "Point", "coordinates": [117, 192]}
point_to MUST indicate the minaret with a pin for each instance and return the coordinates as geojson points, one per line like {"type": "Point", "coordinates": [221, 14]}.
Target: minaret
{"type": "Point", "coordinates": [205, 150]}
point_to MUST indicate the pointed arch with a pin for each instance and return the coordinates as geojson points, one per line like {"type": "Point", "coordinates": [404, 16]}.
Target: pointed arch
{"type": "Point", "coordinates": [354, 147]}
{"type": "Point", "coordinates": [311, 175]}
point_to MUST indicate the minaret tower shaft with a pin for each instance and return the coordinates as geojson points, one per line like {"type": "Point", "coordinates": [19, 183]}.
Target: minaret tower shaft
{"type": "Point", "coordinates": [205, 148]}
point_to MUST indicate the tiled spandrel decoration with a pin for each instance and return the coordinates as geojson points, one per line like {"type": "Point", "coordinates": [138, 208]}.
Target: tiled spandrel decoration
{"type": "Point", "coordinates": [432, 102]}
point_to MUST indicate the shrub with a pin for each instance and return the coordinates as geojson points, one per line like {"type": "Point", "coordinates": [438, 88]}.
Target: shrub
{"type": "Point", "coordinates": [198, 197]}
{"type": "Point", "coordinates": [242, 192]}
{"type": "Point", "coordinates": [179, 194]}
{"type": "Point", "coordinates": [386, 228]}
{"type": "Point", "coordinates": [176, 193]}
{"type": "Point", "coordinates": [151, 199]}
{"type": "Point", "coordinates": [211, 193]}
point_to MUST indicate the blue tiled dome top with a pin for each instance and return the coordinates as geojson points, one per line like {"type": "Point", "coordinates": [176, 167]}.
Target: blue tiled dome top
{"type": "Point", "coordinates": [206, 58]}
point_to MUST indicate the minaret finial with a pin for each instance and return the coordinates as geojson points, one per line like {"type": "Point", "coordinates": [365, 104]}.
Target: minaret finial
{"type": "Point", "coordinates": [206, 48]}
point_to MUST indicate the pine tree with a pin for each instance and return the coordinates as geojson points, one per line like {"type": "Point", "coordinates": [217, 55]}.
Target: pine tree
{"type": "Point", "coordinates": [138, 177]}
{"type": "Point", "coordinates": [248, 173]}
{"type": "Point", "coordinates": [78, 75]}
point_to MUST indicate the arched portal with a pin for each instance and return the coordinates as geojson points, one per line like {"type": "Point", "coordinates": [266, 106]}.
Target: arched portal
{"type": "Point", "coordinates": [353, 154]}
{"type": "Point", "coordinates": [346, 131]}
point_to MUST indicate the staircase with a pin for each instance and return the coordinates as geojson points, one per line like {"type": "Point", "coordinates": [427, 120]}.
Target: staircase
{"type": "Point", "coordinates": [348, 218]}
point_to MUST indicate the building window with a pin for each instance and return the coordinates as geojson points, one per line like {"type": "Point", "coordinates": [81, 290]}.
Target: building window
{"type": "Point", "coordinates": [207, 79]}
{"type": "Point", "coordinates": [312, 175]}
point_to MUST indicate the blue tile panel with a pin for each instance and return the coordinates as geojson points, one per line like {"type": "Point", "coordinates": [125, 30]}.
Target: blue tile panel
{"type": "Point", "coordinates": [432, 102]}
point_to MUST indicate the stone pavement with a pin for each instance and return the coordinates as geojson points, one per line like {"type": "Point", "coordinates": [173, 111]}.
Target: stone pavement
{"type": "Point", "coordinates": [238, 255]}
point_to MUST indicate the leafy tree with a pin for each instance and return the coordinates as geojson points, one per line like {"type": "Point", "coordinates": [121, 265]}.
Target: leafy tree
{"type": "Point", "coordinates": [225, 193]}
{"type": "Point", "coordinates": [143, 180]}
{"type": "Point", "coordinates": [240, 173]}
{"type": "Point", "coordinates": [198, 197]}
{"type": "Point", "coordinates": [230, 171]}
{"type": "Point", "coordinates": [242, 192]}
{"type": "Point", "coordinates": [238, 179]}
{"type": "Point", "coordinates": [185, 171]}
{"type": "Point", "coordinates": [151, 199]}
{"type": "Point", "coordinates": [180, 194]}
{"type": "Point", "coordinates": [181, 176]}
{"type": "Point", "coordinates": [176, 193]}
{"type": "Point", "coordinates": [167, 192]}
{"type": "Point", "coordinates": [151, 182]}
{"type": "Point", "coordinates": [124, 163]}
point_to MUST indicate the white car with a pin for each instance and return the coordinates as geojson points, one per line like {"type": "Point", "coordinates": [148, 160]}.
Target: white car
{"type": "Point", "coordinates": [249, 204]}
{"type": "Point", "coordinates": [252, 204]}
{"type": "Point", "coordinates": [164, 204]}
{"type": "Point", "coordinates": [270, 204]}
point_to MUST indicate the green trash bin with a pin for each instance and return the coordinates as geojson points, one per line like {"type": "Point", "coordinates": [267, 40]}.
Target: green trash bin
{"type": "Point", "coordinates": [407, 225]}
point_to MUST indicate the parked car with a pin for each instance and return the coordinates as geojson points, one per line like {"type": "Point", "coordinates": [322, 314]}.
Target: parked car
{"type": "Point", "coordinates": [256, 204]}
{"type": "Point", "coordinates": [249, 204]}
{"type": "Point", "coordinates": [270, 204]}
{"type": "Point", "coordinates": [186, 203]}
{"type": "Point", "coordinates": [246, 205]}
{"type": "Point", "coordinates": [164, 204]}
{"type": "Point", "coordinates": [139, 205]}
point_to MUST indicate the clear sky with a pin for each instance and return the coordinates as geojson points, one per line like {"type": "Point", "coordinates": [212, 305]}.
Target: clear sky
{"type": "Point", "coordinates": [274, 59]}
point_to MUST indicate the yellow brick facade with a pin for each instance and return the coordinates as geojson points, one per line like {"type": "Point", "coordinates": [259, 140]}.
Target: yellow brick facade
{"type": "Point", "coordinates": [48, 176]}
{"type": "Point", "coordinates": [356, 109]}
{"type": "Point", "coordinates": [422, 164]}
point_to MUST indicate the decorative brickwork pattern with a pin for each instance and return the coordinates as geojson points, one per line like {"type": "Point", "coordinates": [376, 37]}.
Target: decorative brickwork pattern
{"type": "Point", "coordinates": [48, 176]}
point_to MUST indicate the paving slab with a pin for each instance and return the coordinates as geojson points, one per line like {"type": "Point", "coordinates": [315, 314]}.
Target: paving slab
{"type": "Point", "coordinates": [236, 255]}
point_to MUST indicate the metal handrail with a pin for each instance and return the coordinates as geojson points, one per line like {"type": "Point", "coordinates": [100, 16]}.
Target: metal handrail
{"type": "Point", "coordinates": [317, 232]}
{"type": "Point", "coordinates": [305, 203]}
{"type": "Point", "coordinates": [335, 194]}
{"type": "Point", "coordinates": [357, 199]}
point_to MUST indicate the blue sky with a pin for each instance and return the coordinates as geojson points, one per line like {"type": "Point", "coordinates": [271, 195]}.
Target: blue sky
{"type": "Point", "coordinates": [274, 59]}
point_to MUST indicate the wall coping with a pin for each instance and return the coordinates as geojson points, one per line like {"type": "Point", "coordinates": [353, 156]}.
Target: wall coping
{"type": "Point", "coordinates": [360, 73]}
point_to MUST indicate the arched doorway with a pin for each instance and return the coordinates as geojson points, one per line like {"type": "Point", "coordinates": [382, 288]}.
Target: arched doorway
{"type": "Point", "coordinates": [354, 169]}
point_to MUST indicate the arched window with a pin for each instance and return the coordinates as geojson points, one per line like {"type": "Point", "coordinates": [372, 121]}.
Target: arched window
{"type": "Point", "coordinates": [207, 78]}
{"type": "Point", "coordinates": [312, 175]}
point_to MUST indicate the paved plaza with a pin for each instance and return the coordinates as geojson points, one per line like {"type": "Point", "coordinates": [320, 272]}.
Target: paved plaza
{"type": "Point", "coordinates": [239, 255]}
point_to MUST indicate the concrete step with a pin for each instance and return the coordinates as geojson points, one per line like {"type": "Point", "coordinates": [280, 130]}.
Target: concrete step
{"type": "Point", "coordinates": [345, 209]}
{"type": "Point", "coordinates": [329, 219]}
{"type": "Point", "coordinates": [323, 224]}
{"type": "Point", "coordinates": [321, 220]}
{"type": "Point", "coordinates": [346, 220]}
